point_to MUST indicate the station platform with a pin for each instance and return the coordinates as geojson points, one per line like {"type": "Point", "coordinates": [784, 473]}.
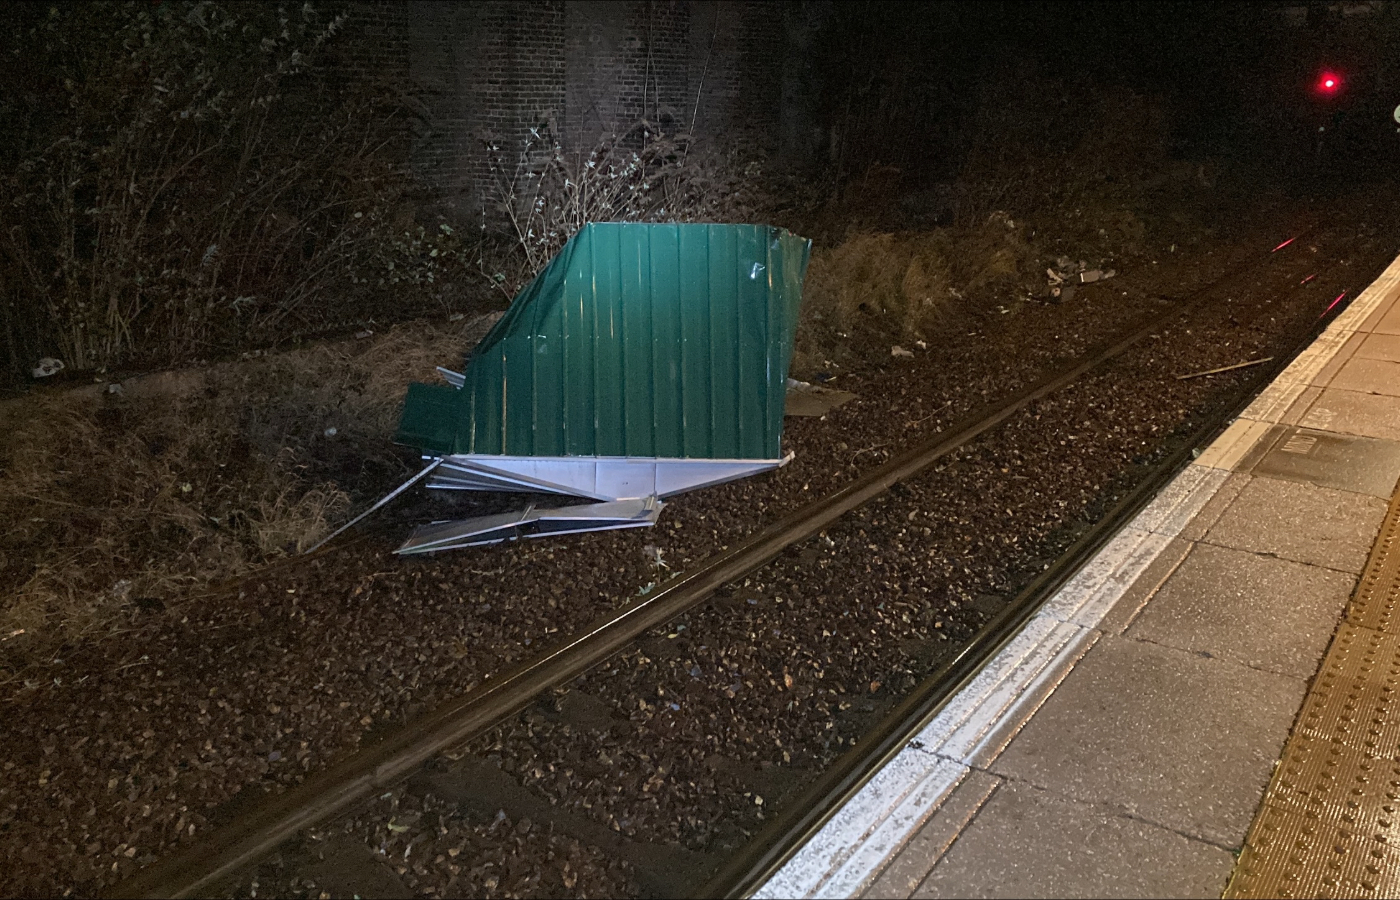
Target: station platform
{"type": "Point", "coordinates": [1211, 706]}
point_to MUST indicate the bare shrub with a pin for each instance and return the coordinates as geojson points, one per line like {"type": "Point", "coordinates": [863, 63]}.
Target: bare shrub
{"type": "Point", "coordinates": [545, 193]}
{"type": "Point", "coordinates": [182, 179]}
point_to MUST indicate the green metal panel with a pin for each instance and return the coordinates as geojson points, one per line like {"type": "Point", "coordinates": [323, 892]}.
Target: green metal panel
{"type": "Point", "coordinates": [665, 341]}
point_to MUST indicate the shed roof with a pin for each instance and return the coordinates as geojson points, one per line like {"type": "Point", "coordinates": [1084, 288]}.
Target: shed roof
{"type": "Point", "coordinates": [637, 340]}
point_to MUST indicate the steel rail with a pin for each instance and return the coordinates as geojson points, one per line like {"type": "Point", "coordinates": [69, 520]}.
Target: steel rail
{"type": "Point", "coordinates": [222, 852]}
{"type": "Point", "coordinates": [802, 817]}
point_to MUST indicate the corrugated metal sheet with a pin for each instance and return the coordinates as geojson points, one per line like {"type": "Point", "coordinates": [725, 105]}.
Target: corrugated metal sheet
{"type": "Point", "coordinates": [660, 341]}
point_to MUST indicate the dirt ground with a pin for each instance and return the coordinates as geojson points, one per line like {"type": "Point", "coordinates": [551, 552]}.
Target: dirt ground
{"type": "Point", "coordinates": [144, 705]}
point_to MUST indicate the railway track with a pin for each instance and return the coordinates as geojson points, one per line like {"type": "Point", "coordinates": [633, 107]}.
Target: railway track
{"type": "Point", "coordinates": [337, 790]}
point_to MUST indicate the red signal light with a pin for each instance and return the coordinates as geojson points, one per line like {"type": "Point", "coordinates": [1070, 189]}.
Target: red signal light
{"type": "Point", "coordinates": [1329, 83]}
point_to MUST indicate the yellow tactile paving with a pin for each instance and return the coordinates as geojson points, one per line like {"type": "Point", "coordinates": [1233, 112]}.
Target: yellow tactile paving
{"type": "Point", "coordinates": [1330, 782]}
{"type": "Point", "coordinates": [1293, 854]}
{"type": "Point", "coordinates": [1377, 601]}
{"type": "Point", "coordinates": [1329, 825]}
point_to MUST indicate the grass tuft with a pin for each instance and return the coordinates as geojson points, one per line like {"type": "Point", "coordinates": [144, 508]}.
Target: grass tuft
{"type": "Point", "coordinates": [182, 479]}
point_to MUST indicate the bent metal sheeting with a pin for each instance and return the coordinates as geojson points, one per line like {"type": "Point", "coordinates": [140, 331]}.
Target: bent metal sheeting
{"type": "Point", "coordinates": [643, 361]}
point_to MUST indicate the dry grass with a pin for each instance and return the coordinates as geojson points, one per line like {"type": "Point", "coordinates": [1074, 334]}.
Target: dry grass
{"type": "Point", "coordinates": [899, 286]}
{"type": "Point", "coordinates": [184, 479]}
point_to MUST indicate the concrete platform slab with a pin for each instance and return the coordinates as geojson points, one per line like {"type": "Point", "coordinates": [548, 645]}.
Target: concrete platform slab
{"type": "Point", "coordinates": [1343, 462]}
{"type": "Point", "coordinates": [1033, 695]}
{"type": "Point", "coordinates": [1379, 346]}
{"type": "Point", "coordinates": [1301, 522]}
{"type": "Point", "coordinates": [1215, 507]}
{"type": "Point", "coordinates": [1166, 735]}
{"type": "Point", "coordinates": [1294, 414]}
{"type": "Point", "coordinates": [1328, 826]}
{"type": "Point", "coordinates": [1369, 376]}
{"type": "Point", "coordinates": [1353, 412]}
{"type": "Point", "coordinates": [1027, 842]}
{"type": "Point", "coordinates": [1135, 598]}
{"type": "Point", "coordinates": [1385, 320]}
{"type": "Point", "coordinates": [1258, 611]}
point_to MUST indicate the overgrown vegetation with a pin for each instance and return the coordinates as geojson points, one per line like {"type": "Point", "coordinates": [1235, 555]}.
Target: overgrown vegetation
{"type": "Point", "coordinates": [1046, 171]}
{"type": "Point", "coordinates": [883, 288]}
{"type": "Point", "coordinates": [156, 493]}
{"type": "Point", "coordinates": [198, 185]}
{"type": "Point", "coordinates": [182, 179]}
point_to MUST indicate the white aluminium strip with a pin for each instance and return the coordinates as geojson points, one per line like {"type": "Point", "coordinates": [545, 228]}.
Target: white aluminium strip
{"type": "Point", "coordinates": [595, 477]}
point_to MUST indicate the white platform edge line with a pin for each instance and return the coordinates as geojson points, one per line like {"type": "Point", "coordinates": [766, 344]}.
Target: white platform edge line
{"type": "Point", "coordinates": [844, 842]}
{"type": "Point", "coordinates": [994, 705]}
{"type": "Point", "coordinates": [894, 832]}
{"type": "Point", "coordinates": [1092, 613]}
{"type": "Point", "coordinates": [1360, 309]}
{"type": "Point", "coordinates": [963, 708]}
{"type": "Point", "coordinates": [845, 836]}
{"type": "Point", "coordinates": [838, 850]}
{"type": "Point", "coordinates": [985, 752]}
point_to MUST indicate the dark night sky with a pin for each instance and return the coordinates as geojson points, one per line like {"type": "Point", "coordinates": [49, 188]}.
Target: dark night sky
{"type": "Point", "coordinates": [1238, 77]}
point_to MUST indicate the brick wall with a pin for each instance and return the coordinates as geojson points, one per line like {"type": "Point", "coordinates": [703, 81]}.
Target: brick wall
{"type": "Point", "coordinates": [373, 41]}
{"type": "Point", "coordinates": [493, 69]}
{"type": "Point", "coordinates": [624, 62]}
{"type": "Point", "coordinates": [736, 62]}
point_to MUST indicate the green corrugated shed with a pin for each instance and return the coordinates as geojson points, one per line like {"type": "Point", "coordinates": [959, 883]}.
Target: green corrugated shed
{"type": "Point", "coordinates": [660, 341]}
